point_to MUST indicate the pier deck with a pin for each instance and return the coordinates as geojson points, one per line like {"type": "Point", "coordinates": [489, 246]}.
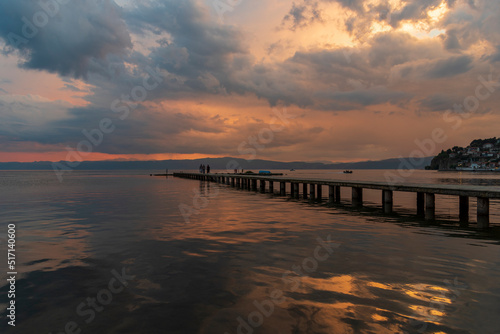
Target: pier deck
{"type": "Point", "coordinates": [425, 192]}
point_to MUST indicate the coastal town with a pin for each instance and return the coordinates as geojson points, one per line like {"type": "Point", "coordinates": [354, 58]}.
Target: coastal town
{"type": "Point", "coordinates": [480, 155]}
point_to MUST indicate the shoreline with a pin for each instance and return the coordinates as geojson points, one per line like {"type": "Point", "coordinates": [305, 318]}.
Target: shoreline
{"type": "Point", "coordinates": [469, 171]}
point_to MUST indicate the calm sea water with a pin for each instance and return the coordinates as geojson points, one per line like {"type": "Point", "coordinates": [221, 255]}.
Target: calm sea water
{"type": "Point", "coordinates": [123, 252]}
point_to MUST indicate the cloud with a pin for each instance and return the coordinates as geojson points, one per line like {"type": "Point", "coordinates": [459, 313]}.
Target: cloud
{"type": "Point", "coordinates": [437, 102]}
{"type": "Point", "coordinates": [72, 88]}
{"type": "Point", "coordinates": [450, 67]}
{"type": "Point", "coordinates": [373, 96]}
{"type": "Point", "coordinates": [202, 60]}
{"type": "Point", "coordinates": [70, 40]}
{"type": "Point", "coordinates": [29, 118]}
{"type": "Point", "coordinates": [301, 15]}
{"type": "Point", "coordinates": [496, 56]}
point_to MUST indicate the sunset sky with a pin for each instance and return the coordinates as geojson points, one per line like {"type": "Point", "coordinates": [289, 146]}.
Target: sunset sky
{"type": "Point", "coordinates": [361, 80]}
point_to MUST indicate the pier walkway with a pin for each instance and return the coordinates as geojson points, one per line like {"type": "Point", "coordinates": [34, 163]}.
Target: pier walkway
{"type": "Point", "coordinates": [313, 189]}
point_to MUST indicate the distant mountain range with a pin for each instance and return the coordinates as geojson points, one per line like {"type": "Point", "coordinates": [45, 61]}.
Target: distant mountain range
{"type": "Point", "coordinates": [215, 163]}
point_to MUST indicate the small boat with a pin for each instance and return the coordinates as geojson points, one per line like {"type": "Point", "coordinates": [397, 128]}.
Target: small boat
{"type": "Point", "coordinates": [292, 170]}
{"type": "Point", "coordinates": [348, 172]}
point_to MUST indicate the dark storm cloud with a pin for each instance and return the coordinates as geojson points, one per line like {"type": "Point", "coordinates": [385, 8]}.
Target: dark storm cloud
{"type": "Point", "coordinates": [447, 68]}
{"type": "Point", "coordinates": [69, 39]}
{"type": "Point", "coordinates": [198, 43]}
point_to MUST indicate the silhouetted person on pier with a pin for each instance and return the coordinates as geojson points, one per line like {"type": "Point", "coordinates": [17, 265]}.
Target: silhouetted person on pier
{"type": "Point", "coordinates": [201, 168]}
{"type": "Point", "coordinates": [208, 169]}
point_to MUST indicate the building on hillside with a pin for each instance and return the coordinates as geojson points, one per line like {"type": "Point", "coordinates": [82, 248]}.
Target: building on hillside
{"type": "Point", "coordinates": [488, 146]}
{"type": "Point", "coordinates": [473, 150]}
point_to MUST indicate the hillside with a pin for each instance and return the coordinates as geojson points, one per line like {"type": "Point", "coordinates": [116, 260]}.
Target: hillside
{"type": "Point", "coordinates": [481, 154]}
{"type": "Point", "coordinates": [215, 163]}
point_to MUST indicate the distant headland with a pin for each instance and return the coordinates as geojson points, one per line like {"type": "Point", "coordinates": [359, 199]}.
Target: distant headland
{"type": "Point", "coordinates": [215, 163]}
{"type": "Point", "coordinates": [480, 155]}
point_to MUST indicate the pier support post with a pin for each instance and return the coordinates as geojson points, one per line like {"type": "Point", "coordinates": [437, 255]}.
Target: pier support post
{"type": "Point", "coordinates": [420, 204]}
{"type": "Point", "coordinates": [271, 187]}
{"type": "Point", "coordinates": [296, 190]}
{"type": "Point", "coordinates": [233, 182]}
{"type": "Point", "coordinates": [430, 206]}
{"type": "Point", "coordinates": [319, 191]}
{"type": "Point", "coordinates": [357, 196]}
{"type": "Point", "coordinates": [304, 190]}
{"type": "Point", "coordinates": [254, 184]}
{"type": "Point", "coordinates": [312, 191]}
{"type": "Point", "coordinates": [387, 200]}
{"type": "Point", "coordinates": [483, 212]}
{"type": "Point", "coordinates": [464, 210]}
{"type": "Point", "coordinates": [262, 186]}
{"type": "Point", "coordinates": [282, 188]}
{"type": "Point", "coordinates": [292, 189]}
{"type": "Point", "coordinates": [337, 194]}
{"type": "Point", "coordinates": [331, 194]}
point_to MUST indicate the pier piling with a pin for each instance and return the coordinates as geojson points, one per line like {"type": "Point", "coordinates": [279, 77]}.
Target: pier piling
{"type": "Point", "coordinates": [420, 204]}
{"type": "Point", "coordinates": [430, 206]}
{"type": "Point", "coordinates": [464, 210]}
{"type": "Point", "coordinates": [387, 201]}
{"type": "Point", "coordinates": [296, 191]}
{"type": "Point", "coordinates": [312, 192]}
{"type": "Point", "coordinates": [331, 194]}
{"type": "Point", "coordinates": [357, 196]}
{"type": "Point", "coordinates": [483, 212]}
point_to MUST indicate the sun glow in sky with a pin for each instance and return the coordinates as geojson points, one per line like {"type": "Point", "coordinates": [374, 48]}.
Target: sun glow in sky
{"type": "Point", "coordinates": [355, 75]}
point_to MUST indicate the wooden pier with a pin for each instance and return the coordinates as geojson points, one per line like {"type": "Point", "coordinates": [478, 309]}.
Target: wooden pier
{"type": "Point", "coordinates": [426, 193]}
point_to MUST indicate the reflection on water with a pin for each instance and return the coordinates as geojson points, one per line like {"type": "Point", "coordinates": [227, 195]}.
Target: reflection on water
{"type": "Point", "coordinates": [242, 261]}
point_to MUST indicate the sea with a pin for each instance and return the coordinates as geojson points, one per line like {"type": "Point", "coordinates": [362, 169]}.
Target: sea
{"type": "Point", "coordinates": [126, 252]}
